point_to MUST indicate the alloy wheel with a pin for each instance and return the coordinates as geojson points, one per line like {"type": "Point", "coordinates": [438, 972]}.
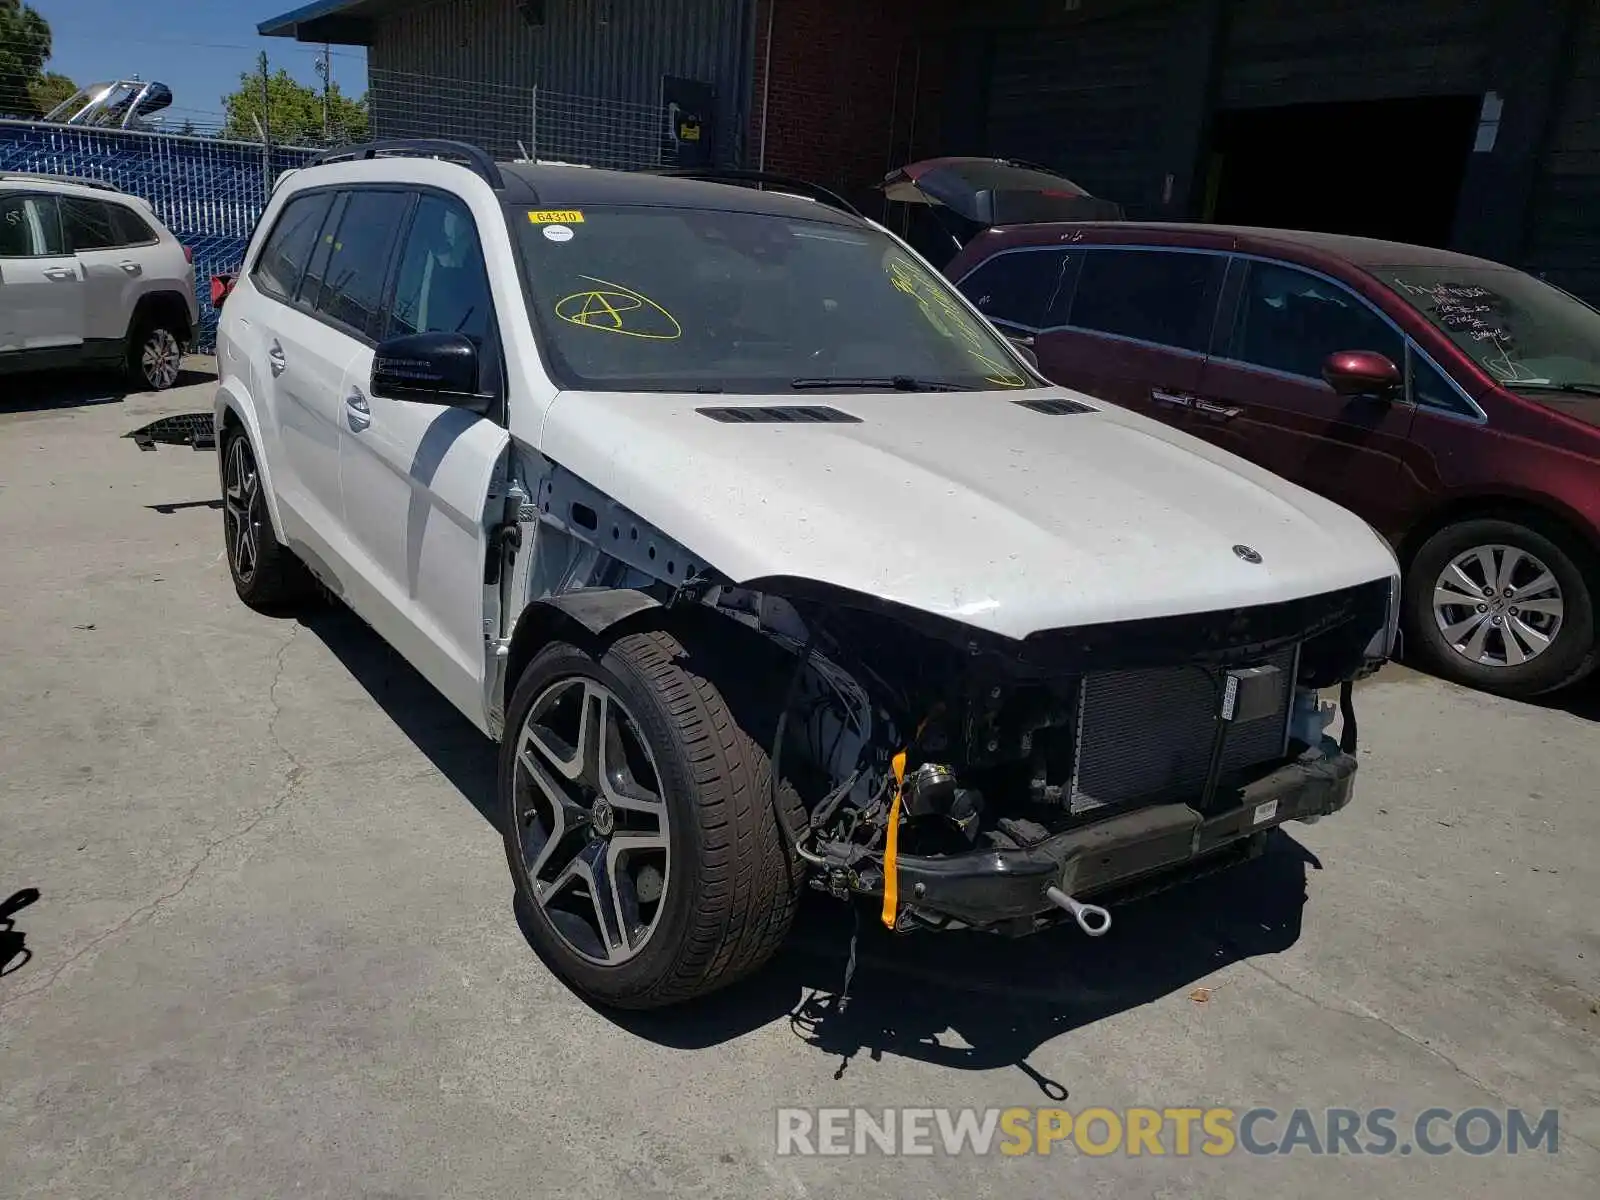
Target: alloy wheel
{"type": "Point", "coordinates": [241, 510]}
{"type": "Point", "coordinates": [592, 822]}
{"type": "Point", "coordinates": [1498, 606]}
{"type": "Point", "coordinates": [161, 358]}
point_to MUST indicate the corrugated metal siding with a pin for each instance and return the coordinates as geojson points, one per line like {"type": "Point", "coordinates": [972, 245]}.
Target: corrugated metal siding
{"type": "Point", "coordinates": [1085, 99]}
{"type": "Point", "coordinates": [611, 50]}
{"type": "Point", "coordinates": [1280, 53]}
{"type": "Point", "coordinates": [1564, 233]}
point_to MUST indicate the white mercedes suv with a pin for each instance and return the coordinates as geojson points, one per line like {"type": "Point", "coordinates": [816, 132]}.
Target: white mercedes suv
{"type": "Point", "coordinates": [768, 562]}
{"type": "Point", "coordinates": [90, 278]}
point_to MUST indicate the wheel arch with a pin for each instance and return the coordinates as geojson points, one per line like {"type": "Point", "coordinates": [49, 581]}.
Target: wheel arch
{"type": "Point", "coordinates": [231, 412]}
{"type": "Point", "coordinates": [167, 305]}
{"type": "Point", "coordinates": [584, 618]}
{"type": "Point", "coordinates": [1542, 515]}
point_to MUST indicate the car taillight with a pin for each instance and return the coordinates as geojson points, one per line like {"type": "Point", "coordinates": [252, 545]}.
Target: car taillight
{"type": "Point", "coordinates": [188, 255]}
{"type": "Point", "coordinates": [221, 285]}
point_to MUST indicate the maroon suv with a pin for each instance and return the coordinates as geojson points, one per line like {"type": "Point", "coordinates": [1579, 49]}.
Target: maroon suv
{"type": "Point", "coordinates": [1452, 402]}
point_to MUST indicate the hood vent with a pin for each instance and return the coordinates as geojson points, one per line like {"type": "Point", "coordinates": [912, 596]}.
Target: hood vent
{"type": "Point", "coordinates": [780, 414]}
{"type": "Point", "coordinates": [1055, 406]}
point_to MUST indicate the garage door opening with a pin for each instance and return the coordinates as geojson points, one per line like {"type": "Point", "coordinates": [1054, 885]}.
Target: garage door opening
{"type": "Point", "coordinates": [1385, 169]}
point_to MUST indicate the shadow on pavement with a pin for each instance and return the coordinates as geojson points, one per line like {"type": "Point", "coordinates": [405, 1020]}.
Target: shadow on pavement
{"type": "Point", "coordinates": [962, 1000]}
{"type": "Point", "coordinates": [41, 391]}
{"type": "Point", "coordinates": [14, 952]}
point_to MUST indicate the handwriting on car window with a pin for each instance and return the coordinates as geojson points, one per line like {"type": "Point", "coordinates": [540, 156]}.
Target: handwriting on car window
{"type": "Point", "coordinates": [1473, 312]}
{"type": "Point", "coordinates": [616, 308]}
{"type": "Point", "coordinates": [945, 315]}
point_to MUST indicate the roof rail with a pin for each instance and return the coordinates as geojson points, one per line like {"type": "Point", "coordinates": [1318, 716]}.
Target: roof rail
{"type": "Point", "coordinates": [765, 179]}
{"type": "Point", "coordinates": [469, 156]}
{"type": "Point", "coordinates": [78, 180]}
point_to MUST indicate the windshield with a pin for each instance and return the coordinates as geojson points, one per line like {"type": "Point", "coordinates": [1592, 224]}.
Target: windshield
{"type": "Point", "coordinates": [667, 299]}
{"type": "Point", "coordinates": [1520, 330]}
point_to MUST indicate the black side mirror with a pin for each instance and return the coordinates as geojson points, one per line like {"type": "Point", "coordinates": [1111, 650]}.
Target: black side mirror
{"type": "Point", "coordinates": [1367, 373]}
{"type": "Point", "coordinates": [435, 368]}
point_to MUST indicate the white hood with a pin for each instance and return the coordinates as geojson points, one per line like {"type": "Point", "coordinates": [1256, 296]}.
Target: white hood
{"type": "Point", "coordinates": [967, 505]}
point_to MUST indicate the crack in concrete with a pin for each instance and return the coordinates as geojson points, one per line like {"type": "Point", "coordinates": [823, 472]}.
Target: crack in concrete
{"type": "Point", "coordinates": [1362, 1012]}
{"type": "Point", "coordinates": [292, 779]}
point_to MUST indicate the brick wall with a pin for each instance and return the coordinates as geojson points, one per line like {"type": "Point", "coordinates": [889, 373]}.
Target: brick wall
{"type": "Point", "coordinates": [844, 86]}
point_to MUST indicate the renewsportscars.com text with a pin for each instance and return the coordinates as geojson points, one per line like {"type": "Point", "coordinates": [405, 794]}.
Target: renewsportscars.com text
{"type": "Point", "coordinates": [1179, 1132]}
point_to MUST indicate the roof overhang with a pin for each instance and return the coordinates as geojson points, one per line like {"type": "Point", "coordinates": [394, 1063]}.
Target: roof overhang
{"type": "Point", "coordinates": [342, 22]}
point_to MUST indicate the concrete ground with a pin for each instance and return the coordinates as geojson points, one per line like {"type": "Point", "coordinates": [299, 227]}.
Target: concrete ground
{"type": "Point", "coordinates": [274, 951]}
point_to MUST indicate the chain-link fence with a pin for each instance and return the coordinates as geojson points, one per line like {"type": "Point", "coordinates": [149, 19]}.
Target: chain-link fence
{"type": "Point", "coordinates": [210, 189]}
{"type": "Point", "coordinates": [520, 122]}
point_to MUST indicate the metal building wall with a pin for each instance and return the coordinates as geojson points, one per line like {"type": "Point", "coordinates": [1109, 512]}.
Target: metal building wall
{"type": "Point", "coordinates": [615, 50]}
{"type": "Point", "coordinates": [1564, 226]}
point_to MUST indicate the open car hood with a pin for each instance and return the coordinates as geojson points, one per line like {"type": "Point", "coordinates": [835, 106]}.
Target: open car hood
{"type": "Point", "coordinates": [996, 191]}
{"type": "Point", "coordinates": [967, 505]}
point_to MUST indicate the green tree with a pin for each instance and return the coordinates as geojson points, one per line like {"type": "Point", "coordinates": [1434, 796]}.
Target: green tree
{"type": "Point", "coordinates": [50, 89]}
{"type": "Point", "coordinates": [24, 48]}
{"type": "Point", "coordinates": [294, 111]}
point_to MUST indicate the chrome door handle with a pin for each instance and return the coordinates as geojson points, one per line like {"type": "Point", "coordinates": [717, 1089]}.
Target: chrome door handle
{"type": "Point", "coordinates": [131, 267]}
{"type": "Point", "coordinates": [1224, 412]}
{"type": "Point", "coordinates": [276, 358]}
{"type": "Point", "coordinates": [357, 412]}
{"type": "Point", "coordinates": [61, 273]}
{"type": "Point", "coordinates": [1177, 399]}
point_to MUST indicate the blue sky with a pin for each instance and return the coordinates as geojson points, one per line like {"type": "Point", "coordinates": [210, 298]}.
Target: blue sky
{"type": "Point", "coordinates": [196, 47]}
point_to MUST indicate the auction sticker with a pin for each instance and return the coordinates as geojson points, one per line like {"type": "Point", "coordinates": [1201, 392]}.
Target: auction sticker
{"type": "Point", "coordinates": [1265, 812]}
{"type": "Point", "coordinates": [558, 233]}
{"type": "Point", "coordinates": [555, 216]}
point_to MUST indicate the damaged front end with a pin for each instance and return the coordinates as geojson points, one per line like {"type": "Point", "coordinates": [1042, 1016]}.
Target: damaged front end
{"type": "Point", "coordinates": [960, 778]}
{"type": "Point", "coordinates": [966, 780]}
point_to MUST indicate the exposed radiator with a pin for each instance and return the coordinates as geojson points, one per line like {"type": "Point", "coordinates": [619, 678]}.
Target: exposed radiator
{"type": "Point", "coordinates": [1147, 734]}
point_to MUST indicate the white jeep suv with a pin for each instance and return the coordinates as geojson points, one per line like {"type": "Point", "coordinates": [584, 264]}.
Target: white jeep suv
{"type": "Point", "coordinates": [768, 562]}
{"type": "Point", "coordinates": [90, 278]}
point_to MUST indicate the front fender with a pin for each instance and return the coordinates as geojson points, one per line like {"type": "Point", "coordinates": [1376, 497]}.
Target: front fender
{"type": "Point", "coordinates": [233, 400]}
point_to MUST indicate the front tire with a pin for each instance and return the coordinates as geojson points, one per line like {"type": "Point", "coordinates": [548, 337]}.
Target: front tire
{"type": "Point", "coordinates": [639, 825]}
{"type": "Point", "coordinates": [1502, 606]}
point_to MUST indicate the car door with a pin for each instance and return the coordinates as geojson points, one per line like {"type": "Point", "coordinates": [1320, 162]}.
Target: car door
{"type": "Point", "coordinates": [1135, 327]}
{"type": "Point", "coordinates": [415, 476]}
{"type": "Point", "coordinates": [305, 356]}
{"type": "Point", "coordinates": [41, 288]}
{"type": "Point", "coordinates": [92, 236]}
{"type": "Point", "coordinates": [1269, 403]}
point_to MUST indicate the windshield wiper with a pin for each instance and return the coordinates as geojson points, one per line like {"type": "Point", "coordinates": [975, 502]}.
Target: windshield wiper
{"type": "Point", "coordinates": [897, 383]}
{"type": "Point", "coordinates": [1587, 389]}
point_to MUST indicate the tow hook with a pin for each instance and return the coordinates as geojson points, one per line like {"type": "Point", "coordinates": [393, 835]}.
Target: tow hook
{"type": "Point", "coordinates": [1091, 918]}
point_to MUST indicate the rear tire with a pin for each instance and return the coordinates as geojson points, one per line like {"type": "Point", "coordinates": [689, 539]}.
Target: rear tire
{"type": "Point", "coordinates": [155, 354]}
{"type": "Point", "coordinates": [266, 574]}
{"type": "Point", "coordinates": [728, 884]}
{"type": "Point", "coordinates": [1465, 625]}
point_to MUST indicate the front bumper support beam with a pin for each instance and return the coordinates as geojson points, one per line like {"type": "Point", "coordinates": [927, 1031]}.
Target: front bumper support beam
{"type": "Point", "coordinates": [988, 887]}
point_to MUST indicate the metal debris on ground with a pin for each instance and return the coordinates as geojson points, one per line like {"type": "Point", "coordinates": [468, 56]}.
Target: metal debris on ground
{"type": "Point", "coordinates": [195, 430]}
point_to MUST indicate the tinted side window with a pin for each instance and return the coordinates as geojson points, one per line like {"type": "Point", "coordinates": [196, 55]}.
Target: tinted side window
{"type": "Point", "coordinates": [87, 224]}
{"type": "Point", "coordinates": [311, 283]}
{"type": "Point", "coordinates": [1432, 390]}
{"type": "Point", "coordinates": [1291, 320]}
{"type": "Point", "coordinates": [1018, 287]}
{"type": "Point", "coordinates": [352, 289]}
{"type": "Point", "coordinates": [130, 227]}
{"type": "Point", "coordinates": [1161, 296]}
{"type": "Point", "coordinates": [441, 285]}
{"type": "Point", "coordinates": [30, 226]}
{"type": "Point", "coordinates": [283, 258]}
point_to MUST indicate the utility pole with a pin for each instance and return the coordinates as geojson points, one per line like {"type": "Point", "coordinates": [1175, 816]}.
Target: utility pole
{"type": "Point", "coordinates": [325, 69]}
{"type": "Point", "coordinates": [266, 125]}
